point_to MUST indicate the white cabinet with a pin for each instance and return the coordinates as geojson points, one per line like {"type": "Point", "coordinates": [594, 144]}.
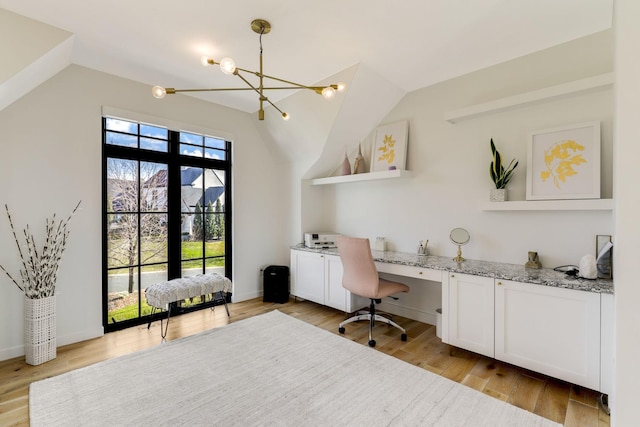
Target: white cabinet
{"type": "Point", "coordinates": [335, 295]}
{"type": "Point", "coordinates": [607, 346]}
{"type": "Point", "coordinates": [549, 330]}
{"type": "Point", "coordinates": [318, 278]}
{"type": "Point", "coordinates": [307, 275]}
{"type": "Point", "coordinates": [471, 313]}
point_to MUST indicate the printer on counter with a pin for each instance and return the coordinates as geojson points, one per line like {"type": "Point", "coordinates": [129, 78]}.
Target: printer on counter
{"type": "Point", "coordinates": [321, 240]}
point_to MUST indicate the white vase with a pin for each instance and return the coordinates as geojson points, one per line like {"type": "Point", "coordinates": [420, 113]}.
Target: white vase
{"type": "Point", "coordinates": [39, 330]}
{"type": "Point", "coordinates": [498, 195]}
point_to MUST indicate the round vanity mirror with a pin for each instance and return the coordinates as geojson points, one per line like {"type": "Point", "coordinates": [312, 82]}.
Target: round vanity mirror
{"type": "Point", "coordinates": [460, 237]}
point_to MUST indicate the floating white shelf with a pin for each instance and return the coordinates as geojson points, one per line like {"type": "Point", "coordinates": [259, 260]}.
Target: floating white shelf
{"type": "Point", "coordinates": [551, 205]}
{"type": "Point", "coordinates": [398, 173]}
{"type": "Point", "coordinates": [576, 87]}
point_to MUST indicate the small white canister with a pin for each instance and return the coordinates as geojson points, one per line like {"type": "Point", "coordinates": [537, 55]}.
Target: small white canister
{"type": "Point", "coordinates": [381, 244]}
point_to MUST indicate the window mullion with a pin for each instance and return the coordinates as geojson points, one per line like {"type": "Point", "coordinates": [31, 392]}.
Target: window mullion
{"type": "Point", "coordinates": [139, 261]}
{"type": "Point", "coordinates": [174, 208]}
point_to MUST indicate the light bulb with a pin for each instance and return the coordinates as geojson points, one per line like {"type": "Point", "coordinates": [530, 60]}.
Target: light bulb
{"type": "Point", "coordinates": [341, 86]}
{"type": "Point", "coordinates": [159, 92]}
{"type": "Point", "coordinates": [206, 61]}
{"type": "Point", "coordinates": [285, 116]}
{"type": "Point", "coordinates": [227, 65]}
{"type": "Point", "coordinates": [328, 92]}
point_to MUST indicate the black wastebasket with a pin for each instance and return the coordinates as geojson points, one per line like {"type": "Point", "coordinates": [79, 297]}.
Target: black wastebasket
{"type": "Point", "coordinates": [276, 284]}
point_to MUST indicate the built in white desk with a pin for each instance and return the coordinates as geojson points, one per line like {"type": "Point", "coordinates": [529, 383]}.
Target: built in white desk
{"type": "Point", "coordinates": [430, 267]}
{"type": "Point", "coordinates": [539, 319]}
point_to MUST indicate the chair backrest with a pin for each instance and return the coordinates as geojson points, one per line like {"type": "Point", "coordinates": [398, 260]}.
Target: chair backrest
{"type": "Point", "coordinates": [360, 275]}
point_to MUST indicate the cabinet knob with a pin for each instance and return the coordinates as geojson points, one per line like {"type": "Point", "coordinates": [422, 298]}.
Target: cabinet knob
{"type": "Point", "coordinates": [499, 283]}
{"type": "Point", "coordinates": [321, 256]}
{"type": "Point", "coordinates": [453, 275]}
{"type": "Point", "coordinates": [420, 272]}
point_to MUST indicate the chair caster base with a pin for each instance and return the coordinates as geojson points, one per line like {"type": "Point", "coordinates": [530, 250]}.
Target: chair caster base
{"type": "Point", "coordinates": [372, 343]}
{"type": "Point", "coordinates": [341, 330]}
{"type": "Point", "coordinates": [403, 337]}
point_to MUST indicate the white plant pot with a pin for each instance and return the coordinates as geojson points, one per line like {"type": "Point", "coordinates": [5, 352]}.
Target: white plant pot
{"type": "Point", "coordinates": [498, 195]}
{"type": "Point", "coordinates": [39, 330]}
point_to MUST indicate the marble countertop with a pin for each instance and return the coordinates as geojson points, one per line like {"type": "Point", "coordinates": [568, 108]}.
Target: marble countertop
{"type": "Point", "coordinates": [497, 270]}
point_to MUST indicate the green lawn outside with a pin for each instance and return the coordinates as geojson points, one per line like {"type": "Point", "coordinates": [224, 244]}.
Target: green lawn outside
{"type": "Point", "coordinates": [131, 311]}
{"type": "Point", "coordinates": [190, 250]}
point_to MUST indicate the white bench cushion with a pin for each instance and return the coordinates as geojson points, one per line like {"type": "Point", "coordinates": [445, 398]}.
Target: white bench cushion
{"type": "Point", "coordinates": [160, 294]}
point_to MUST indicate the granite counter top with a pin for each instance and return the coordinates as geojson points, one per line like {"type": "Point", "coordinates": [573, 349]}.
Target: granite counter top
{"type": "Point", "coordinates": [497, 270]}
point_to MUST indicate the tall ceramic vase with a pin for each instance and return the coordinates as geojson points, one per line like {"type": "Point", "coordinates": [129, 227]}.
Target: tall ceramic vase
{"type": "Point", "coordinates": [39, 330]}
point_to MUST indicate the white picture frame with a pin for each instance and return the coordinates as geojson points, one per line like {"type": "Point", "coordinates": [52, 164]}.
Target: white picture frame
{"type": "Point", "coordinates": [390, 147]}
{"type": "Point", "coordinates": [564, 162]}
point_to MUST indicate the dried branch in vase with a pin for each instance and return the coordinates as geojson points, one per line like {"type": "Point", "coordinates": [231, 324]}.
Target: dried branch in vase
{"type": "Point", "coordinates": [39, 270]}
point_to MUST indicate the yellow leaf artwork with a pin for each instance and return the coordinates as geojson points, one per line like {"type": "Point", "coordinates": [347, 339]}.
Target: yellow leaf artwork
{"type": "Point", "coordinates": [560, 160]}
{"type": "Point", "coordinates": [387, 151]}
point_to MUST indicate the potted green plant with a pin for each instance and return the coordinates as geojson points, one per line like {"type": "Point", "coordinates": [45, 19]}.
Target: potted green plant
{"type": "Point", "coordinates": [500, 175]}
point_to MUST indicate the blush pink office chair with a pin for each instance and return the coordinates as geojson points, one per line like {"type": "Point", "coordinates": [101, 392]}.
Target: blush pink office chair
{"type": "Point", "coordinates": [360, 277]}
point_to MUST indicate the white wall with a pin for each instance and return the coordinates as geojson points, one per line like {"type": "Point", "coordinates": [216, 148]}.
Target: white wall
{"type": "Point", "coordinates": [627, 137]}
{"type": "Point", "coordinates": [51, 158]}
{"type": "Point", "coordinates": [450, 164]}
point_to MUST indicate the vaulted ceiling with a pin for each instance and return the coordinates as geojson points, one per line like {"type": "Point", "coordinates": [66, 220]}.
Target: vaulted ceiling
{"type": "Point", "coordinates": [409, 43]}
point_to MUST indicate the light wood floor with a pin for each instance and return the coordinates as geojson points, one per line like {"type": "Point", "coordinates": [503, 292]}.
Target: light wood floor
{"type": "Point", "coordinates": [548, 397]}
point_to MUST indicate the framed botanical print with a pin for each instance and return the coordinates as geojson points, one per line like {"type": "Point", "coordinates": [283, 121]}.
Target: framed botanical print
{"type": "Point", "coordinates": [390, 147]}
{"type": "Point", "coordinates": [564, 163]}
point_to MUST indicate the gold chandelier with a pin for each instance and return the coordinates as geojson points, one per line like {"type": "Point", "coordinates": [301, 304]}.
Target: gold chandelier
{"type": "Point", "coordinates": [228, 66]}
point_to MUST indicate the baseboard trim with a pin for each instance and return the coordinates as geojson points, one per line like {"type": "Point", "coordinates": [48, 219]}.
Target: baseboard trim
{"type": "Point", "coordinates": [18, 351]}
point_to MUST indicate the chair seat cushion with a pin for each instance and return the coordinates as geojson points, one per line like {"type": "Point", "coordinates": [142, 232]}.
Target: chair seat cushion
{"type": "Point", "coordinates": [387, 288]}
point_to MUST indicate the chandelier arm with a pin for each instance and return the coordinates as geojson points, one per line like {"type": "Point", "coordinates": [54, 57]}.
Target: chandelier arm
{"type": "Point", "coordinates": [171, 91]}
{"type": "Point", "coordinates": [262, 97]}
{"type": "Point", "coordinates": [210, 89]}
{"type": "Point", "coordinates": [317, 89]}
{"type": "Point", "coordinates": [249, 84]}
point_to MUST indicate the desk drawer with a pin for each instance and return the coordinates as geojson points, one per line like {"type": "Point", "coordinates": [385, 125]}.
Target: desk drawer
{"type": "Point", "coordinates": [410, 271]}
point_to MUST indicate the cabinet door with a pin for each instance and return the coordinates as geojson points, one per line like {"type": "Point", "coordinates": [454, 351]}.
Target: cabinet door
{"type": "Point", "coordinates": [471, 317]}
{"type": "Point", "coordinates": [550, 330]}
{"type": "Point", "coordinates": [607, 345]}
{"type": "Point", "coordinates": [307, 272]}
{"type": "Point", "coordinates": [335, 295]}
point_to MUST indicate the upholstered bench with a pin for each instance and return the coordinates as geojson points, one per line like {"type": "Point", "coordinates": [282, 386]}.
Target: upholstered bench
{"type": "Point", "coordinates": [162, 295]}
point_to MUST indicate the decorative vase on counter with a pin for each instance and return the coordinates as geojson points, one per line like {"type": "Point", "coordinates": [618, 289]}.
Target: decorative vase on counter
{"type": "Point", "coordinates": [39, 329]}
{"type": "Point", "coordinates": [498, 195]}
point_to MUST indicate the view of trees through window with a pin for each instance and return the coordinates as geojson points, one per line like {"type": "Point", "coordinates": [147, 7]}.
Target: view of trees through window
{"type": "Point", "coordinates": [166, 213]}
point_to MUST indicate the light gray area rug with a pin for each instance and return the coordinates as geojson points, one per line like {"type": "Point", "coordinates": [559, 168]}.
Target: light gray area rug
{"type": "Point", "coordinates": [268, 370]}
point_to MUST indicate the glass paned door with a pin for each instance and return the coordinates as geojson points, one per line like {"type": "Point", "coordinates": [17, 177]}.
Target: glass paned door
{"type": "Point", "coordinates": [136, 235]}
{"type": "Point", "coordinates": [203, 221]}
